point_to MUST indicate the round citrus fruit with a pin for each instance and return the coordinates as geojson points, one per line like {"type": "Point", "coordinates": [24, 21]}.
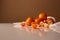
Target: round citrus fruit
{"type": "Point", "coordinates": [34, 25]}
{"type": "Point", "coordinates": [29, 21]}
{"type": "Point", "coordinates": [37, 20]}
{"type": "Point", "coordinates": [42, 16]}
{"type": "Point", "coordinates": [22, 24]}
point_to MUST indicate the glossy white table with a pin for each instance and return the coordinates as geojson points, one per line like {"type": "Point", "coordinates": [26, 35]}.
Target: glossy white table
{"type": "Point", "coordinates": [8, 32]}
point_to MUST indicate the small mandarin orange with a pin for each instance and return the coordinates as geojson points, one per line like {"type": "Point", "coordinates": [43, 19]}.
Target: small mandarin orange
{"type": "Point", "coordinates": [50, 21]}
{"type": "Point", "coordinates": [22, 24]}
{"type": "Point", "coordinates": [42, 16]}
{"type": "Point", "coordinates": [29, 21]}
{"type": "Point", "coordinates": [37, 20]}
{"type": "Point", "coordinates": [34, 25]}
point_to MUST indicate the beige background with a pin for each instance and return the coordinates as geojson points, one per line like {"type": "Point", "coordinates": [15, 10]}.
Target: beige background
{"type": "Point", "coordinates": [19, 10]}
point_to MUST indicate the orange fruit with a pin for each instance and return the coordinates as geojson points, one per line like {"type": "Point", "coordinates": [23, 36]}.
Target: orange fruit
{"type": "Point", "coordinates": [42, 16]}
{"type": "Point", "coordinates": [22, 24]}
{"type": "Point", "coordinates": [37, 20]}
{"type": "Point", "coordinates": [34, 25]}
{"type": "Point", "coordinates": [50, 21]}
{"type": "Point", "coordinates": [29, 21]}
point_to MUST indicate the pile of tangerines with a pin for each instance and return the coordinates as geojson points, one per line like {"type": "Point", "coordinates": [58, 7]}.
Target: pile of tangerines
{"type": "Point", "coordinates": [41, 21]}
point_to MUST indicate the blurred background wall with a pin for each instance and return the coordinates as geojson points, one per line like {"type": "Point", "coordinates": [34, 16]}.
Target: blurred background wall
{"type": "Point", "coordinates": [19, 10]}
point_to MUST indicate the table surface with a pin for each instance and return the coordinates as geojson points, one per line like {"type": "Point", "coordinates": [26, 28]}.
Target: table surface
{"type": "Point", "coordinates": [8, 32]}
